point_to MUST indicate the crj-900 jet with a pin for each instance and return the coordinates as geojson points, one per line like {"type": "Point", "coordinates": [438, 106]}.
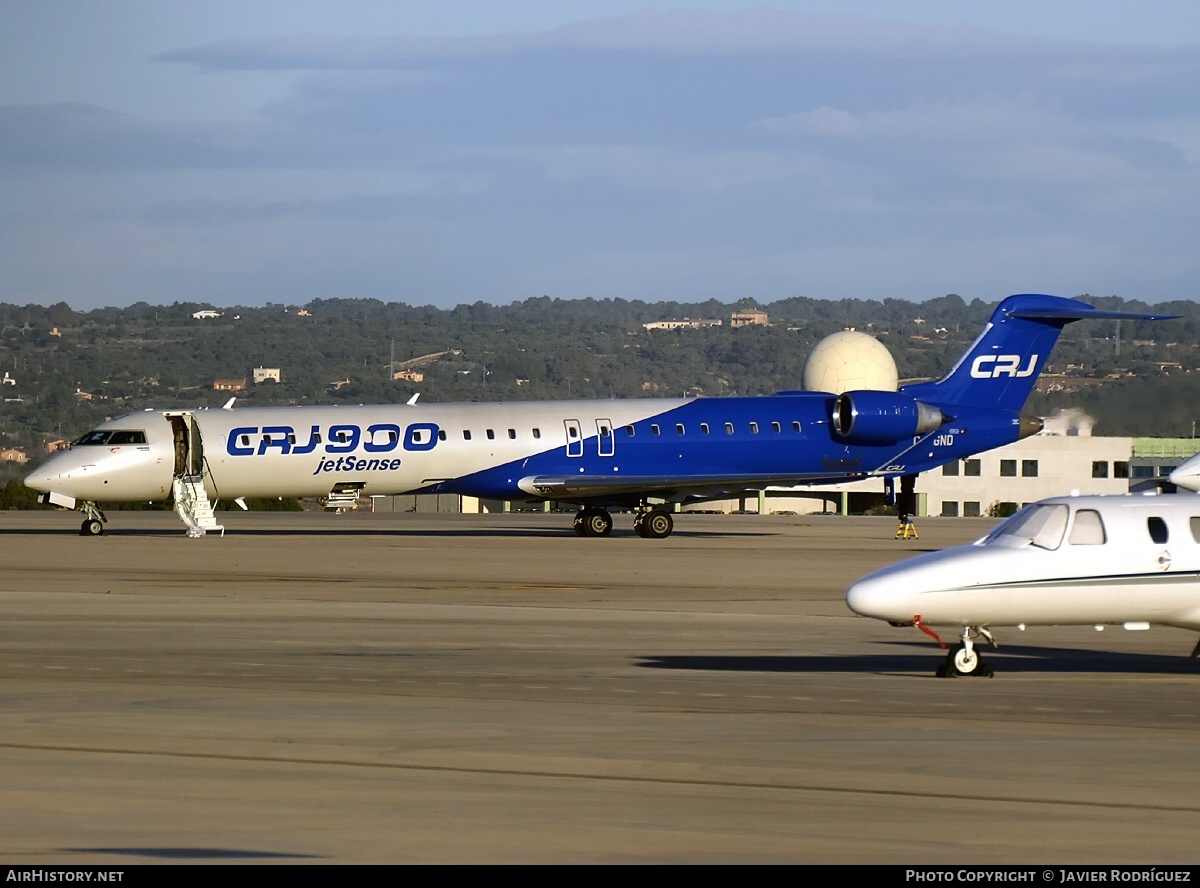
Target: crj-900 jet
{"type": "Point", "coordinates": [644, 455]}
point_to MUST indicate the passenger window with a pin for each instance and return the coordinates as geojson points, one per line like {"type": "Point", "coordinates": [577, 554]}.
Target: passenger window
{"type": "Point", "coordinates": [629, 431]}
{"type": "Point", "coordinates": [679, 428]}
{"type": "Point", "coordinates": [491, 434]}
{"type": "Point", "coordinates": [1088, 529]}
{"type": "Point", "coordinates": [537, 433]}
{"type": "Point", "coordinates": [654, 430]}
{"type": "Point", "coordinates": [729, 428]}
{"type": "Point", "coordinates": [1158, 529]}
{"type": "Point", "coordinates": [441, 434]}
{"type": "Point", "coordinates": [704, 428]}
{"type": "Point", "coordinates": [776, 428]}
{"type": "Point", "coordinates": [796, 427]}
{"type": "Point", "coordinates": [466, 434]}
{"type": "Point", "coordinates": [512, 434]}
{"type": "Point", "coordinates": [1195, 525]}
{"type": "Point", "coordinates": [754, 428]}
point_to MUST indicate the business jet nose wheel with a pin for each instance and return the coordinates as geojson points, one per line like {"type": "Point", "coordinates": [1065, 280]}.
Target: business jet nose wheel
{"type": "Point", "coordinates": [964, 660]}
{"type": "Point", "coordinates": [593, 522]}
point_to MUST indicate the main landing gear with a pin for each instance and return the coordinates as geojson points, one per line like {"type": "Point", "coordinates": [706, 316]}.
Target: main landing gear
{"type": "Point", "coordinates": [593, 522]}
{"type": "Point", "coordinates": [656, 524]}
{"type": "Point", "coordinates": [964, 660]}
{"type": "Point", "coordinates": [653, 524]}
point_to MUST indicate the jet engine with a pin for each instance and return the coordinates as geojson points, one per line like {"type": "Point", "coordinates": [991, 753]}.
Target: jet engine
{"type": "Point", "coordinates": [870, 417]}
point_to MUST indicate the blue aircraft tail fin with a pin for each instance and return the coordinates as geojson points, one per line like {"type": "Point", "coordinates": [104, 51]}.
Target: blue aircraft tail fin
{"type": "Point", "coordinates": [1003, 363]}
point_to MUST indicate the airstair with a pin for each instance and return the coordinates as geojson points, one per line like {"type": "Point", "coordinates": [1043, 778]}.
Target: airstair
{"type": "Point", "coordinates": [191, 502]}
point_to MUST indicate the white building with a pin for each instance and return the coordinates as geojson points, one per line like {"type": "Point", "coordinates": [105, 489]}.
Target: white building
{"type": "Point", "coordinates": [262, 374]}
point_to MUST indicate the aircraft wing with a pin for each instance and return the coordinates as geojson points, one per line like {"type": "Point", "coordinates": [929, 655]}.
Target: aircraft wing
{"type": "Point", "coordinates": [581, 487]}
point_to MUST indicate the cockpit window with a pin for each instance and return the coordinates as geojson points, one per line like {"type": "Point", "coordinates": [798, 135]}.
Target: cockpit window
{"type": "Point", "coordinates": [1040, 525]}
{"type": "Point", "coordinates": [1088, 529]}
{"type": "Point", "coordinates": [111, 437]}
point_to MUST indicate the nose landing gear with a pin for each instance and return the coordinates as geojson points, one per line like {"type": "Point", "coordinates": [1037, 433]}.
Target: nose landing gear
{"type": "Point", "coordinates": [964, 660]}
{"type": "Point", "coordinates": [93, 524]}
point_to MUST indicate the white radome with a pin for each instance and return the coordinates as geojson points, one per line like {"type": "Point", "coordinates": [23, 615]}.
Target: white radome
{"type": "Point", "coordinates": [850, 361]}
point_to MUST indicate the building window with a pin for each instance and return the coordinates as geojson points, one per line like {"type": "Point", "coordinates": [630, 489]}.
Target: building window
{"type": "Point", "coordinates": [1029, 468]}
{"type": "Point", "coordinates": [950, 469]}
{"type": "Point", "coordinates": [1120, 469]}
{"type": "Point", "coordinates": [1008, 468]}
{"type": "Point", "coordinates": [970, 510]}
{"type": "Point", "coordinates": [1100, 468]}
{"type": "Point", "coordinates": [972, 468]}
{"type": "Point", "coordinates": [1142, 471]}
{"type": "Point", "coordinates": [949, 510]}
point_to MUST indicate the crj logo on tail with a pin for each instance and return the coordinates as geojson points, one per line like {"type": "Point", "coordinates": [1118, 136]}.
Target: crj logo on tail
{"type": "Point", "coordinates": [993, 366]}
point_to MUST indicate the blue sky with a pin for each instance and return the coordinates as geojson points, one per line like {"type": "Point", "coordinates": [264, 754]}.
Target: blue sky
{"type": "Point", "coordinates": [243, 153]}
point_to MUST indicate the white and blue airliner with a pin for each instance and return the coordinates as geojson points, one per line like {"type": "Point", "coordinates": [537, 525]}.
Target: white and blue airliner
{"type": "Point", "coordinates": [642, 454]}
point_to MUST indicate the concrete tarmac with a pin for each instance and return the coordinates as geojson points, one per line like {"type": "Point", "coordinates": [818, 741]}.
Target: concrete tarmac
{"type": "Point", "coordinates": [493, 689]}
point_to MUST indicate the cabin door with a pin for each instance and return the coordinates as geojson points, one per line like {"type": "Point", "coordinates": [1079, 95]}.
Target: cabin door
{"type": "Point", "coordinates": [574, 437]}
{"type": "Point", "coordinates": [605, 440]}
{"type": "Point", "coordinates": [188, 446]}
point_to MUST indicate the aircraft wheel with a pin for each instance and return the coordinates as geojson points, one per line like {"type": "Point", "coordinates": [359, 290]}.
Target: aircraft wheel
{"type": "Point", "coordinates": [639, 527]}
{"type": "Point", "coordinates": [961, 662]}
{"type": "Point", "coordinates": [657, 525]}
{"type": "Point", "coordinates": [598, 523]}
{"type": "Point", "coordinates": [593, 523]}
{"type": "Point", "coordinates": [91, 527]}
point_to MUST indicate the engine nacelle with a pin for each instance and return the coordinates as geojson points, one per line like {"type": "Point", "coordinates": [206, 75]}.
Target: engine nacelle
{"type": "Point", "coordinates": [870, 417]}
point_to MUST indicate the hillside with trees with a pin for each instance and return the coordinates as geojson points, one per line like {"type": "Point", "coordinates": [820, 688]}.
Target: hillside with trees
{"type": "Point", "coordinates": [67, 370]}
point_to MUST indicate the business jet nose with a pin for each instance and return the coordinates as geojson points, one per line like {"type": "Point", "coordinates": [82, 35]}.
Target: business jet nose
{"type": "Point", "coordinates": [877, 596]}
{"type": "Point", "coordinates": [1187, 475]}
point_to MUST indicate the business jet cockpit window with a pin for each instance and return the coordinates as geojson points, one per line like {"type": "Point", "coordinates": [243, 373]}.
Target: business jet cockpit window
{"type": "Point", "coordinates": [111, 438]}
{"type": "Point", "coordinates": [1038, 525]}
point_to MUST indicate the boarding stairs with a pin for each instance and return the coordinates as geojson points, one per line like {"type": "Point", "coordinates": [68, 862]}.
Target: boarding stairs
{"type": "Point", "coordinates": [191, 502]}
{"type": "Point", "coordinates": [343, 497]}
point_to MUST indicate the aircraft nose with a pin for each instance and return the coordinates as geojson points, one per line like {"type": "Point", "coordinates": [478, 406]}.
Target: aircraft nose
{"type": "Point", "coordinates": [1187, 475]}
{"type": "Point", "coordinates": [38, 480]}
{"type": "Point", "coordinates": [877, 596]}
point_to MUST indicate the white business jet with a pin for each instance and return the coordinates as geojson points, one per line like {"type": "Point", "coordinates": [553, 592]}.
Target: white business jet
{"type": "Point", "coordinates": [1127, 560]}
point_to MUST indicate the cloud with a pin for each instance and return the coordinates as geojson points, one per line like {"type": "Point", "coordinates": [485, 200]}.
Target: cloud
{"type": "Point", "coordinates": [701, 154]}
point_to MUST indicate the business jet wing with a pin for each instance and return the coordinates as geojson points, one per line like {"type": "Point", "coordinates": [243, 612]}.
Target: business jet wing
{"type": "Point", "coordinates": [584, 487]}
